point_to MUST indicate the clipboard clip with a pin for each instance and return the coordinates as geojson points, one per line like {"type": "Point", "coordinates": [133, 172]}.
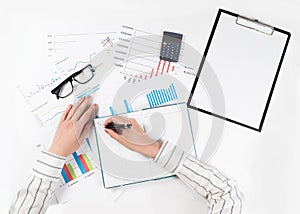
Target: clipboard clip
{"type": "Point", "coordinates": [254, 24]}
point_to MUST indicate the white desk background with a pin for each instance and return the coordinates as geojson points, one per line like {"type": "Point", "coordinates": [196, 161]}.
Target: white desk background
{"type": "Point", "coordinates": [265, 165]}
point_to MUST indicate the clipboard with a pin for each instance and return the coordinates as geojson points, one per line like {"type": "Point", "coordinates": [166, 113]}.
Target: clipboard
{"type": "Point", "coordinates": [246, 56]}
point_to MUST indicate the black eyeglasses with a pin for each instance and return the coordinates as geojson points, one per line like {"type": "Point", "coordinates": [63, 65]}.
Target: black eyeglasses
{"type": "Point", "coordinates": [82, 76]}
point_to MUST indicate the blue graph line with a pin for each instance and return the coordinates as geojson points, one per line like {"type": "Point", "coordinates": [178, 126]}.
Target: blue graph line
{"type": "Point", "coordinates": [41, 87]}
{"type": "Point", "coordinates": [54, 79]}
{"type": "Point", "coordinates": [83, 62]}
{"type": "Point", "coordinates": [107, 39]}
{"type": "Point", "coordinates": [89, 92]}
{"type": "Point", "coordinates": [54, 116]}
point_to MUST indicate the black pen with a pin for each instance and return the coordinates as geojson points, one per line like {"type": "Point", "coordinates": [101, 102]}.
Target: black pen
{"type": "Point", "coordinates": [118, 127]}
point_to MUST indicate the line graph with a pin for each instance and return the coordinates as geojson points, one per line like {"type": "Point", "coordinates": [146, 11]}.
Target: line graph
{"type": "Point", "coordinates": [55, 108]}
{"type": "Point", "coordinates": [107, 42]}
{"type": "Point", "coordinates": [58, 43]}
{"type": "Point", "coordinates": [56, 114]}
{"type": "Point", "coordinates": [63, 68]}
{"type": "Point", "coordinates": [47, 113]}
{"type": "Point", "coordinates": [81, 62]}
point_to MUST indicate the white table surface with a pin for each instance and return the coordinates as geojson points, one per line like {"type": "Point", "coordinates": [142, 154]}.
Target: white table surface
{"type": "Point", "coordinates": [265, 165]}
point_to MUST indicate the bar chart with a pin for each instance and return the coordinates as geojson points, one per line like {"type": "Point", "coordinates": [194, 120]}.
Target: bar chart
{"type": "Point", "coordinates": [127, 106]}
{"type": "Point", "coordinates": [155, 97]}
{"type": "Point", "coordinates": [76, 166]}
{"type": "Point", "coordinates": [161, 96]}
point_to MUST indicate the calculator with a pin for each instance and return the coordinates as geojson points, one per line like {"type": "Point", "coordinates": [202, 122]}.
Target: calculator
{"type": "Point", "coordinates": [170, 46]}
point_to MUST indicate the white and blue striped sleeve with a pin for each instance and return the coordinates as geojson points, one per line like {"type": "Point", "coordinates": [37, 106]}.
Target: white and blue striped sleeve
{"type": "Point", "coordinates": [35, 196]}
{"type": "Point", "coordinates": [222, 194]}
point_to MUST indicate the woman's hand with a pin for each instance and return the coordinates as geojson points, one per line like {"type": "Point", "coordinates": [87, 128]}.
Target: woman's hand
{"type": "Point", "coordinates": [134, 138]}
{"type": "Point", "coordinates": [74, 126]}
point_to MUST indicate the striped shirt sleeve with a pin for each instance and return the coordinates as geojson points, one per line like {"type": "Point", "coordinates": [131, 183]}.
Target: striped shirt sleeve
{"type": "Point", "coordinates": [35, 196]}
{"type": "Point", "coordinates": [222, 194]}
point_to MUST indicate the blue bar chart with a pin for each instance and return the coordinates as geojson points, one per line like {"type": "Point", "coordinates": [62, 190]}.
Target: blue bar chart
{"type": "Point", "coordinates": [82, 162]}
{"type": "Point", "coordinates": [77, 164]}
{"type": "Point", "coordinates": [161, 96]}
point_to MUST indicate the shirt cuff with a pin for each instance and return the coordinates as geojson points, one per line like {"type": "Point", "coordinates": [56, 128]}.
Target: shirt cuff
{"type": "Point", "coordinates": [47, 165]}
{"type": "Point", "coordinates": [170, 157]}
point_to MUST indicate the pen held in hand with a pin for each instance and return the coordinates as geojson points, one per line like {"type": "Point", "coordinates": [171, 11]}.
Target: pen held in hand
{"type": "Point", "coordinates": [118, 127]}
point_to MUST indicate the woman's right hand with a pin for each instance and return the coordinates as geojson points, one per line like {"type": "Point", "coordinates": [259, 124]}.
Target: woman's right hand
{"type": "Point", "coordinates": [134, 138]}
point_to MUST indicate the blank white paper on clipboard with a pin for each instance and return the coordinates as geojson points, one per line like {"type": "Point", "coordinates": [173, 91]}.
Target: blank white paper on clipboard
{"type": "Point", "coordinates": [246, 56]}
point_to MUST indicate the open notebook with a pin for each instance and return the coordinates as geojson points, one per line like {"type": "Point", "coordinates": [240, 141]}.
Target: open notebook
{"type": "Point", "coordinates": [120, 166]}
